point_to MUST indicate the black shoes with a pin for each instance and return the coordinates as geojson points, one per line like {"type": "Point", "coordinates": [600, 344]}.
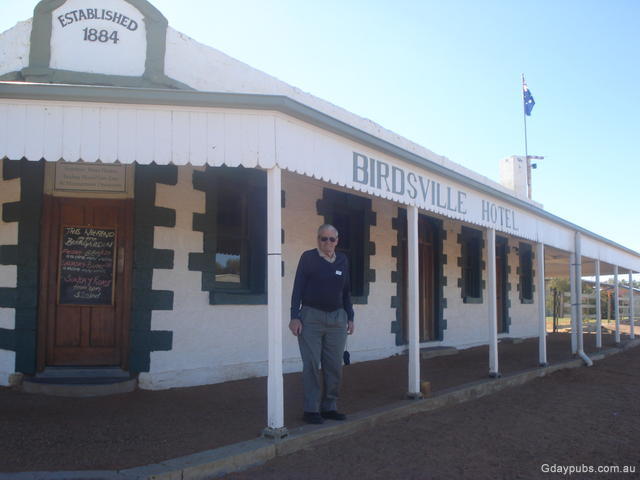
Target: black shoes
{"type": "Point", "coordinates": [316, 418]}
{"type": "Point", "coordinates": [333, 415]}
{"type": "Point", "coordinates": [313, 418]}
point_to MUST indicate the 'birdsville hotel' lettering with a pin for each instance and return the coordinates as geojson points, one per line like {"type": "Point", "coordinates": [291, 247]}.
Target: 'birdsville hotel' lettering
{"type": "Point", "coordinates": [382, 176]}
{"type": "Point", "coordinates": [392, 179]}
{"type": "Point", "coordinates": [505, 217]}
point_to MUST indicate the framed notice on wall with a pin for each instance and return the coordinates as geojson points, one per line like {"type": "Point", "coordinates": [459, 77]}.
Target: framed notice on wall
{"type": "Point", "coordinates": [90, 177]}
{"type": "Point", "coordinates": [86, 272]}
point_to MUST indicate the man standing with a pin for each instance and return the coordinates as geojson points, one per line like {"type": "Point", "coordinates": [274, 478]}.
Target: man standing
{"type": "Point", "coordinates": [321, 318]}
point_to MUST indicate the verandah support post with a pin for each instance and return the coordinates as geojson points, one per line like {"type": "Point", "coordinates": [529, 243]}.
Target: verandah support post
{"type": "Point", "coordinates": [616, 303]}
{"type": "Point", "coordinates": [542, 319]}
{"type": "Point", "coordinates": [578, 270]}
{"type": "Point", "coordinates": [598, 308]}
{"type": "Point", "coordinates": [574, 301]}
{"type": "Point", "coordinates": [493, 311]}
{"type": "Point", "coordinates": [275, 386]}
{"type": "Point", "coordinates": [413, 299]}
{"type": "Point", "coordinates": [631, 309]}
{"type": "Point", "coordinates": [578, 288]}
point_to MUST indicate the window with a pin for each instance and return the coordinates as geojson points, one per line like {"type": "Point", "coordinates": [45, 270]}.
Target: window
{"type": "Point", "coordinates": [351, 232]}
{"type": "Point", "coordinates": [352, 216]}
{"type": "Point", "coordinates": [471, 264]}
{"type": "Point", "coordinates": [526, 273]}
{"type": "Point", "coordinates": [233, 262]}
{"type": "Point", "coordinates": [232, 245]}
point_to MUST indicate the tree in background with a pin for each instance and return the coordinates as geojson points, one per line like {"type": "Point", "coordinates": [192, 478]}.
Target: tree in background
{"type": "Point", "coordinates": [624, 281]}
{"type": "Point", "coordinates": [556, 288]}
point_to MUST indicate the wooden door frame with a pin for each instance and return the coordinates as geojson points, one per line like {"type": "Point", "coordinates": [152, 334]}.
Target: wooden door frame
{"type": "Point", "coordinates": [502, 249]}
{"type": "Point", "coordinates": [427, 295]}
{"type": "Point", "coordinates": [47, 275]}
{"type": "Point", "coordinates": [437, 266]}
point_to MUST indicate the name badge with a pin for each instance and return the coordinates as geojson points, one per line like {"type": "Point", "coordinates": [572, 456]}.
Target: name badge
{"type": "Point", "coordinates": [338, 272]}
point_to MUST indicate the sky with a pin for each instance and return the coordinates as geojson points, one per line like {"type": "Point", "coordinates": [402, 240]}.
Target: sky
{"type": "Point", "coordinates": [447, 75]}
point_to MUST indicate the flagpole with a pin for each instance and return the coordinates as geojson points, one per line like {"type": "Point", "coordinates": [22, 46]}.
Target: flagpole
{"type": "Point", "coordinates": [526, 151]}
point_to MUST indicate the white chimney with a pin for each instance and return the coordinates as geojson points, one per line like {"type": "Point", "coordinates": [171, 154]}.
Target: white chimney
{"type": "Point", "coordinates": [513, 175]}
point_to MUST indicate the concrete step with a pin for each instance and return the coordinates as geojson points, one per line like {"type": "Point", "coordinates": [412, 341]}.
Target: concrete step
{"type": "Point", "coordinates": [432, 352]}
{"type": "Point", "coordinates": [80, 381]}
{"type": "Point", "coordinates": [83, 371]}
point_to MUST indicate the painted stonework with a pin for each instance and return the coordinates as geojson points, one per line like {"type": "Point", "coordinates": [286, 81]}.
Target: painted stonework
{"type": "Point", "coordinates": [524, 316]}
{"type": "Point", "coordinates": [213, 110]}
{"type": "Point", "coordinates": [205, 336]}
{"type": "Point", "coordinates": [9, 192]}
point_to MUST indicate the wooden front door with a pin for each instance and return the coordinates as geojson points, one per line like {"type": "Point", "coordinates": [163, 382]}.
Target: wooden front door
{"type": "Point", "coordinates": [85, 282]}
{"type": "Point", "coordinates": [427, 287]}
{"type": "Point", "coordinates": [427, 280]}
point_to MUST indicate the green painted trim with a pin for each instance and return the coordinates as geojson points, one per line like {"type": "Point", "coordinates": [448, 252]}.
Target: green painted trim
{"type": "Point", "coordinates": [276, 103]}
{"type": "Point", "coordinates": [439, 234]}
{"type": "Point", "coordinates": [147, 216]}
{"type": "Point", "coordinates": [9, 255]}
{"type": "Point", "coordinates": [11, 77]}
{"type": "Point", "coordinates": [8, 297]}
{"type": "Point", "coordinates": [227, 298]}
{"type": "Point", "coordinates": [24, 297]}
{"type": "Point", "coordinates": [40, 45]}
{"type": "Point", "coordinates": [8, 339]}
{"type": "Point", "coordinates": [40, 52]}
{"type": "Point", "coordinates": [67, 76]}
{"type": "Point", "coordinates": [398, 224]}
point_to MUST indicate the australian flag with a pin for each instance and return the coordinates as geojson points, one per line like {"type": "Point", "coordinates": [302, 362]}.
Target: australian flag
{"type": "Point", "coordinates": [529, 102]}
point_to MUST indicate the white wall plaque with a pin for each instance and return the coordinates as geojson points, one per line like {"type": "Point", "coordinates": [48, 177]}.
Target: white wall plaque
{"type": "Point", "coordinates": [90, 177]}
{"type": "Point", "coordinates": [98, 36]}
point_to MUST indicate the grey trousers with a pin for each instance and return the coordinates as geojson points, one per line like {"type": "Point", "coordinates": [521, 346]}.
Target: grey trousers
{"type": "Point", "coordinates": [322, 343]}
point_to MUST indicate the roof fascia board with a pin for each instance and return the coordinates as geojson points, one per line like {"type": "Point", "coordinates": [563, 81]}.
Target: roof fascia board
{"type": "Point", "coordinates": [280, 103]}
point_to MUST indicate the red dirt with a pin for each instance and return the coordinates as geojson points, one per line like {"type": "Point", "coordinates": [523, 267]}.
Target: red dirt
{"type": "Point", "coordinates": [582, 418]}
{"type": "Point", "coordinates": [589, 416]}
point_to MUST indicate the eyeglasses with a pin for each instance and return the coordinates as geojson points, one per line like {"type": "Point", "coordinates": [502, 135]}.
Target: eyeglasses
{"type": "Point", "coordinates": [330, 239]}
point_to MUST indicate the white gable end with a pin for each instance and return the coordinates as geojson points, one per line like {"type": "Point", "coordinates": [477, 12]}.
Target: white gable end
{"type": "Point", "coordinates": [14, 47]}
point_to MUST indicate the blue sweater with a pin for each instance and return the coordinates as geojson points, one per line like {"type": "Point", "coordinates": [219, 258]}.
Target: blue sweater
{"type": "Point", "coordinates": [321, 284]}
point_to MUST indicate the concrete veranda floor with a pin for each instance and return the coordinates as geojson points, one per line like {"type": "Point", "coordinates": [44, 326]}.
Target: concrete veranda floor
{"type": "Point", "coordinates": [145, 427]}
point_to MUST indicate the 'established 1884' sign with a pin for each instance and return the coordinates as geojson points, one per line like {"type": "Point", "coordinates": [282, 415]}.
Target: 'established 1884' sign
{"type": "Point", "coordinates": [93, 34]}
{"type": "Point", "coordinates": [105, 37]}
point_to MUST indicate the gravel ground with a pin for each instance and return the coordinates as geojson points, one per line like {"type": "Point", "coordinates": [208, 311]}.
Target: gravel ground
{"type": "Point", "coordinates": [509, 434]}
{"type": "Point", "coordinates": [574, 421]}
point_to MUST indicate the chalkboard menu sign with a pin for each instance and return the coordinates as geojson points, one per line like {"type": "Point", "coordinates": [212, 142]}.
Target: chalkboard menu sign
{"type": "Point", "coordinates": [87, 262]}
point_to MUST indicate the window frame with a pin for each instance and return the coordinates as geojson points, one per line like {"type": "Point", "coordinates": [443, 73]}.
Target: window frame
{"type": "Point", "coordinates": [242, 236]}
{"type": "Point", "coordinates": [252, 186]}
{"type": "Point", "coordinates": [358, 209]}
{"type": "Point", "coordinates": [472, 265]}
{"type": "Point", "coordinates": [525, 273]}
